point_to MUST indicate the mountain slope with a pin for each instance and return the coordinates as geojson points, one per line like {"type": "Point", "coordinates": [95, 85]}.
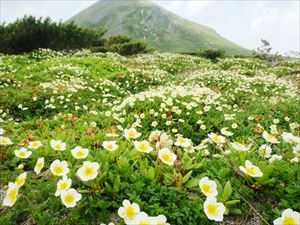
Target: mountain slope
{"type": "Point", "coordinates": [160, 28]}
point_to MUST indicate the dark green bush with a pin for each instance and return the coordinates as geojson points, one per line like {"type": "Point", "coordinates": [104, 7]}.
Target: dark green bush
{"type": "Point", "coordinates": [30, 33]}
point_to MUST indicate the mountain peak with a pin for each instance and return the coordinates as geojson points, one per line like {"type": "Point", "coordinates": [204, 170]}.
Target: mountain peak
{"type": "Point", "coordinates": [161, 29]}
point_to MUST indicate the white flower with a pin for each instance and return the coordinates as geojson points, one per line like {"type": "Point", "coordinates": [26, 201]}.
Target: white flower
{"type": "Point", "coordinates": [79, 152]}
{"type": "Point", "coordinates": [295, 160]}
{"type": "Point", "coordinates": [34, 144]}
{"type": "Point", "coordinates": [62, 185]}
{"type": "Point", "coordinates": [21, 179]}
{"type": "Point", "coordinates": [240, 147]}
{"type": "Point", "coordinates": [59, 168]}
{"type": "Point", "coordinates": [183, 142]}
{"type": "Point", "coordinates": [143, 146]}
{"type": "Point", "coordinates": [269, 137]}
{"type": "Point", "coordinates": [275, 157]}
{"type": "Point", "coordinates": [11, 195]}
{"type": "Point", "coordinates": [141, 219]}
{"type": "Point", "coordinates": [214, 210]}
{"type": "Point", "coordinates": [23, 153]}
{"type": "Point", "coordinates": [160, 220]}
{"type": "Point", "coordinates": [2, 131]}
{"type": "Point", "coordinates": [70, 197]}
{"type": "Point", "coordinates": [251, 170]}
{"type": "Point", "coordinates": [217, 138]}
{"type": "Point", "coordinates": [110, 145]}
{"type": "Point", "coordinates": [39, 165]}
{"type": "Point", "coordinates": [265, 151]}
{"type": "Point", "coordinates": [129, 211]}
{"type": "Point", "coordinates": [225, 132]}
{"type": "Point", "coordinates": [290, 138]}
{"type": "Point", "coordinates": [208, 187]}
{"type": "Point", "coordinates": [166, 156]}
{"type": "Point", "coordinates": [131, 133]}
{"type": "Point", "coordinates": [288, 217]}
{"type": "Point", "coordinates": [88, 171]}
{"type": "Point", "coordinates": [164, 141]}
{"type": "Point", "coordinates": [5, 141]}
{"type": "Point", "coordinates": [58, 145]}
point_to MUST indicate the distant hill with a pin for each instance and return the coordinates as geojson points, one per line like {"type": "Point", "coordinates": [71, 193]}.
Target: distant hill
{"type": "Point", "coordinates": [161, 29]}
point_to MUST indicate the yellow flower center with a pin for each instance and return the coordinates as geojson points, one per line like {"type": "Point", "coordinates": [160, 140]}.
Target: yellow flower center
{"type": "Point", "coordinates": [88, 171]}
{"type": "Point", "coordinates": [39, 165]}
{"type": "Point", "coordinates": [80, 154]}
{"type": "Point", "coordinates": [143, 147]}
{"type": "Point", "coordinates": [250, 171]}
{"type": "Point", "coordinates": [144, 223]}
{"type": "Point", "coordinates": [206, 188]}
{"type": "Point", "coordinates": [12, 195]}
{"type": "Point", "coordinates": [130, 212]}
{"type": "Point", "coordinates": [63, 186]}
{"type": "Point", "coordinates": [20, 181]}
{"type": "Point", "coordinates": [58, 169]}
{"type": "Point", "coordinates": [263, 151]}
{"type": "Point", "coordinates": [69, 199]}
{"type": "Point", "coordinates": [181, 140]}
{"type": "Point", "coordinates": [3, 142]}
{"type": "Point", "coordinates": [212, 209]}
{"type": "Point", "coordinates": [161, 223]}
{"type": "Point", "coordinates": [216, 138]}
{"type": "Point", "coordinates": [131, 133]}
{"type": "Point", "coordinates": [22, 154]}
{"type": "Point", "coordinates": [166, 157]}
{"type": "Point", "coordinates": [35, 144]}
{"type": "Point", "coordinates": [58, 147]}
{"type": "Point", "coordinates": [289, 221]}
{"type": "Point", "coordinates": [110, 146]}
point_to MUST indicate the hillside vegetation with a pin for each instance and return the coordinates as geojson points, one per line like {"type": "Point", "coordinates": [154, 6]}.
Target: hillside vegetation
{"type": "Point", "coordinates": [178, 136]}
{"type": "Point", "coordinates": [159, 28]}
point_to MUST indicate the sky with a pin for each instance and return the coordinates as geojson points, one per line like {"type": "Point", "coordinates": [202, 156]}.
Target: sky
{"type": "Point", "coordinates": [244, 22]}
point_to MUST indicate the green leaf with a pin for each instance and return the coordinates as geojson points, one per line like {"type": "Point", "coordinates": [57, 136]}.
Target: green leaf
{"type": "Point", "coordinates": [192, 183]}
{"type": "Point", "coordinates": [235, 211]}
{"type": "Point", "coordinates": [186, 177]}
{"type": "Point", "coordinates": [226, 192]}
{"type": "Point", "coordinates": [232, 202]}
{"type": "Point", "coordinates": [151, 173]}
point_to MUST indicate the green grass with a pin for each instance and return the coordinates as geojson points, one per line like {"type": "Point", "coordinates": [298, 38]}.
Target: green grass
{"type": "Point", "coordinates": [80, 98]}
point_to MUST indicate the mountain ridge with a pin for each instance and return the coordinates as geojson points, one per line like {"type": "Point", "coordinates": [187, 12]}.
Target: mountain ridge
{"type": "Point", "coordinates": [160, 28]}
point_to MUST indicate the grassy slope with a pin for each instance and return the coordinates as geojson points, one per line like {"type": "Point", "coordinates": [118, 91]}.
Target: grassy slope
{"type": "Point", "coordinates": [162, 29]}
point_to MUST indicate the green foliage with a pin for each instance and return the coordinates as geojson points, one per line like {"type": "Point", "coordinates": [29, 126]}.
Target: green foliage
{"type": "Point", "coordinates": [122, 45]}
{"type": "Point", "coordinates": [30, 33]}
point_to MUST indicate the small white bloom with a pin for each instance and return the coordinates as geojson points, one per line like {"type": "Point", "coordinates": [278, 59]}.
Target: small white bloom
{"type": "Point", "coordinates": [251, 170]}
{"type": "Point", "coordinates": [58, 145]}
{"type": "Point", "coordinates": [143, 146]}
{"type": "Point", "coordinates": [288, 217]}
{"type": "Point", "coordinates": [88, 171]}
{"type": "Point", "coordinates": [214, 210]}
{"type": "Point", "coordinates": [34, 144]}
{"type": "Point", "coordinates": [39, 165]}
{"type": "Point", "coordinates": [62, 185]}
{"type": "Point", "coordinates": [23, 153]}
{"type": "Point", "coordinates": [59, 168]}
{"type": "Point", "coordinates": [110, 145]}
{"type": "Point", "coordinates": [166, 156]}
{"type": "Point", "coordinates": [129, 211]}
{"type": "Point", "coordinates": [265, 151]}
{"type": "Point", "coordinates": [79, 152]}
{"type": "Point", "coordinates": [208, 187]}
{"type": "Point", "coordinates": [70, 197]}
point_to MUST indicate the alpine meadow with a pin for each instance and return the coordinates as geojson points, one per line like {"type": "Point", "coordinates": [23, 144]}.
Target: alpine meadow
{"type": "Point", "coordinates": [128, 114]}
